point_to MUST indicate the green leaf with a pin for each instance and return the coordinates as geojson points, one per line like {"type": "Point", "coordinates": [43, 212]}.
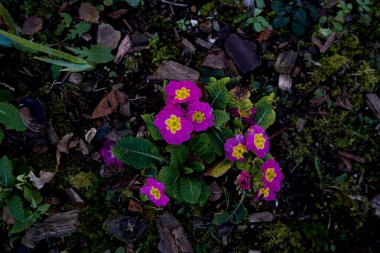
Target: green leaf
{"type": "Point", "coordinates": [44, 49]}
{"type": "Point", "coordinates": [136, 152]}
{"type": "Point", "coordinates": [178, 156]}
{"type": "Point", "coordinates": [221, 117]}
{"type": "Point", "coordinates": [301, 15]}
{"type": "Point", "coordinates": [170, 178]}
{"type": "Point", "coordinates": [70, 67]}
{"type": "Point", "coordinates": [78, 30]}
{"type": "Point", "coordinates": [10, 117]}
{"type": "Point", "coordinates": [241, 101]}
{"type": "Point", "coordinates": [200, 144]}
{"type": "Point", "coordinates": [218, 138]}
{"type": "Point", "coordinates": [219, 169]}
{"type": "Point", "coordinates": [33, 196]}
{"type": "Point", "coordinates": [43, 208]}
{"type": "Point", "coordinates": [8, 20]}
{"type": "Point", "coordinates": [65, 23]}
{"type": "Point", "coordinates": [260, 4]}
{"type": "Point", "coordinates": [133, 3]}
{"type": "Point", "coordinates": [265, 115]}
{"type": "Point", "coordinates": [220, 218]}
{"type": "Point", "coordinates": [196, 166]}
{"type": "Point", "coordinates": [190, 189]}
{"type": "Point", "coordinates": [5, 95]}
{"type": "Point", "coordinates": [120, 250]}
{"type": "Point", "coordinates": [96, 53]}
{"type": "Point", "coordinates": [217, 93]}
{"type": "Point", "coordinates": [205, 193]}
{"type": "Point", "coordinates": [15, 206]}
{"type": "Point", "coordinates": [20, 226]}
{"type": "Point", "coordinates": [1, 135]}
{"type": "Point", "coordinates": [258, 27]}
{"type": "Point", "coordinates": [256, 12]}
{"type": "Point", "coordinates": [240, 214]}
{"type": "Point", "coordinates": [153, 130]}
{"type": "Point", "coordinates": [280, 22]}
{"type": "Point", "coordinates": [6, 176]}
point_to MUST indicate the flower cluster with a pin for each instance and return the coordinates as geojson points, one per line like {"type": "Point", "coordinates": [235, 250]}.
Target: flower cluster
{"type": "Point", "coordinates": [257, 141]}
{"type": "Point", "coordinates": [176, 123]}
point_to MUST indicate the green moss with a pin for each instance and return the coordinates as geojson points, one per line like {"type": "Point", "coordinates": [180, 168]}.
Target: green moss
{"type": "Point", "coordinates": [329, 65]}
{"type": "Point", "coordinates": [82, 180]}
{"type": "Point", "coordinates": [277, 237]}
{"type": "Point", "coordinates": [207, 8]}
{"type": "Point", "coordinates": [165, 53]}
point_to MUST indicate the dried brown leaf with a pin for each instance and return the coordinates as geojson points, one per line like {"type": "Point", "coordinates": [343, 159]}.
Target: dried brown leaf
{"type": "Point", "coordinates": [44, 178]}
{"type": "Point", "coordinates": [63, 144]}
{"type": "Point", "coordinates": [124, 47]}
{"type": "Point", "coordinates": [83, 147]}
{"type": "Point", "coordinates": [266, 34]}
{"type": "Point", "coordinates": [106, 106]}
{"type": "Point", "coordinates": [32, 25]}
{"type": "Point", "coordinates": [108, 36]}
{"type": "Point", "coordinates": [90, 135]}
{"type": "Point", "coordinates": [89, 13]}
{"type": "Point", "coordinates": [134, 206]}
{"type": "Point", "coordinates": [215, 191]}
{"type": "Point", "coordinates": [117, 14]}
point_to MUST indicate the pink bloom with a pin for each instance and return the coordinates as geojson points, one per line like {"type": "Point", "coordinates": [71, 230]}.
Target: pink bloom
{"type": "Point", "coordinates": [235, 148]}
{"type": "Point", "coordinates": [182, 91]}
{"type": "Point", "coordinates": [267, 193]}
{"type": "Point", "coordinates": [155, 191]}
{"type": "Point", "coordinates": [108, 156]}
{"type": "Point", "coordinates": [173, 127]}
{"type": "Point", "coordinates": [243, 180]}
{"type": "Point", "coordinates": [200, 113]}
{"type": "Point", "coordinates": [272, 175]}
{"type": "Point", "coordinates": [258, 141]}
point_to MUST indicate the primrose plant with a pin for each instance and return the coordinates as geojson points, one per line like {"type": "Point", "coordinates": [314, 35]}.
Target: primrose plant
{"type": "Point", "coordinates": [200, 135]}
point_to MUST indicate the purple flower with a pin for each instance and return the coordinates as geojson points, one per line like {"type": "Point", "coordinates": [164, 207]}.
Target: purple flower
{"type": "Point", "coordinates": [267, 193]}
{"type": "Point", "coordinates": [108, 156]}
{"type": "Point", "coordinates": [235, 148]}
{"type": "Point", "coordinates": [258, 141]}
{"type": "Point", "coordinates": [272, 175]}
{"type": "Point", "coordinates": [246, 116]}
{"type": "Point", "coordinates": [155, 191]}
{"type": "Point", "coordinates": [182, 91]}
{"type": "Point", "coordinates": [243, 180]}
{"type": "Point", "coordinates": [200, 113]}
{"type": "Point", "coordinates": [173, 127]}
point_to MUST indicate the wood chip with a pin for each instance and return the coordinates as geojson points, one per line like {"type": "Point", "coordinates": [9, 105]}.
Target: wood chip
{"type": "Point", "coordinates": [108, 36]}
{"type": "Point", "coordinates": [328, 43]}
{"type": "Point", "coordinates": [373, 103]}
{"type": "Point", "coordinates": [261, 217]}
{"type": "Point", "coordinates": [203, 43]}
{"type": "Point", "coordinates": [351, 157]}
{"type": "Point", "coordinates": [124, 47]}
{"type": "Point", "coordinates": [216, 59]}
{"type": "Point", "coordinates": [171, 70]}
{"type": "Point", "coordinates": [243, 53]}
{"type": "Point", "coordinates": [189, 47]}
{"type": "Point", "coordinates": [172, 235]}
{"type": "Point", "coordinates": [74, 197]}
{"type": "Point", "coordinates": [317, 42]}
{"type": "Point", "coordinates": [117, 14]}
{"type": "Point", "coordinates": [285, 81]}
{"type": "Point", "coordinates": [285, 62]}
{"type": "Point", "coordinates": [32, 25]}
{"type": "Point", "coordinates": [88, 12]}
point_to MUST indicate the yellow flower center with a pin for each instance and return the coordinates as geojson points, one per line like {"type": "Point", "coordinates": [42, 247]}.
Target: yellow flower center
{"type": "Point", "coordinates": [259, 141]}
{"type": "Point", "coordinates": [243, 114]}
{"type": "Point", "coordinates": [182, 93]}
{"type": "Point", "coordinates": [265, 191]}
{"type": "Point", "coordinates": [238, 151]}
{"type": "Point", "coordinates": [173, 124]}
{"type": "Point", "coordinates": [198, 116]}
{"type": "Point", "coordinates": [270, 174]}
{"type": "Point", "coordinates": [155, 192]}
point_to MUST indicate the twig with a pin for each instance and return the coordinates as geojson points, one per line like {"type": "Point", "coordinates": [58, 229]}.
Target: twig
{"type": "Point", "coordinates": [171, 3]}
{"type": "Point", "coordinates": [8, 86]}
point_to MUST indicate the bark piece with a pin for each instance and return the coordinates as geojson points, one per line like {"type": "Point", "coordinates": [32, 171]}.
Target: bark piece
{"type": "Point", "coordinates": [375, 202]}
{"type": "Point", "coordinates": [351, 157]}
{"type": "Point", "coordinates": [328, 43]}
{"type": "Point", "coordinates": [88, 12]}
{"type": "Point", "coordinates": [189, 47]}
{"type": "Point", "coordinates": [124, 228]}
{"type": "Point", "coordinates": [171, 70]}
{"type": "Point", "coordinates": [242, 52]}
{"type": "Point", "coordinates": [216, 59]}
{"type": "Point", "coordinates": [172, 236]}
{"type": "Point", "coordinates": [32, 25]}
{"type": "Point", "coordinates": [74, 196]}
{"type": "Point", "coordinates": [108, 36]}
{"type": "Point", "coordinates": [124, 47]}
{"type": "Point", "coordinates": [55, 226]}
{"type": "Point", "coordinates": [203, 43]}
{"type": "Point", "coordinates": [373, 103]}
{"type": "Point", "coordinates": [261, 217]}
